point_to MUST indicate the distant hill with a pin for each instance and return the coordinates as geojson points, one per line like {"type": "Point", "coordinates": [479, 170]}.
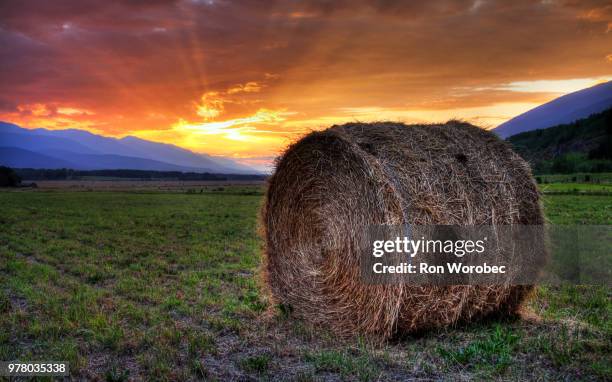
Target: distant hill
{"type": "Point", "coordinates": [20, 158]}
{"type": "Point", "coordinates": [15, 157]}
{"type": "Point", "coordinates": [82, 150]}
{"type": "Point", "coordinates": [582, 146]}
{"type": "Point", "coordinates": [562, 110]}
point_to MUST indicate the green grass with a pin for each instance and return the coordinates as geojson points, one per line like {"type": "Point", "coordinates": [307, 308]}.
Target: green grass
{"type": "Point", "coordinates": [357, 365]}
{"type": "Point", "coordinates": [494, 351]}
{"type": "Point", "coordinates": [164, 286]}
{"type": "Point", "coordinates": [581, 178]}
{"type": "Point", "coordinates": [577, 188]}
{"type": "Point", "coordinates": [578, 209]}
{"type": "Point", "coordinates": [257, 364]}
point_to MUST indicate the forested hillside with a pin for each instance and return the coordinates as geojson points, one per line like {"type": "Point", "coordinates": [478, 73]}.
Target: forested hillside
{"type": "Point", "coordinates": [582, 146]}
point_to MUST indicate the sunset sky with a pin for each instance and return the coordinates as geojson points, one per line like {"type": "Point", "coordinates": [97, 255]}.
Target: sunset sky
{"type": "Point", "coordinates": [244, 78]}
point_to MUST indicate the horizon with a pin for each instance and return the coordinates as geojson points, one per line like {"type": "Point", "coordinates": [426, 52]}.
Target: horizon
{"type": "Point", "coordinates": [238, 81]}
{"type": "Point", "coordinates": [267, 167]}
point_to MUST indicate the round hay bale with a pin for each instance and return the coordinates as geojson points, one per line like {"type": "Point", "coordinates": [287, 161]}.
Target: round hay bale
{"type": "Point", "coordinates": [332, 183]}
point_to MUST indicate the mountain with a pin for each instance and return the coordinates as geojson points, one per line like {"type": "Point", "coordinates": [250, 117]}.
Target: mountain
{"type": "Point", "coordinates": [563, 110]}
{"type": "Point", "coordinates": [16, 157]}
{"type": "Point", "coordinates": [582, 146]}
{"type": "Point", "coordinates": [180, 156]}
{"type": "Point", "coordinates": [41, 143]}
{"type": "Point", "coordinates": [82, 150]}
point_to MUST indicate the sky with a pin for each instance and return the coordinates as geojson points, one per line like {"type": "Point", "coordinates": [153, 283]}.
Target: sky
{"type": "Point", "coordinates": [243, 79]}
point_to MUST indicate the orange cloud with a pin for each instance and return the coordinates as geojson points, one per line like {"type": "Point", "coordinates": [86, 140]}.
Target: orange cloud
{"type": "Point", "coordinates": [211, 106]}
{"type": "Point", "coordinates": [249, 87]}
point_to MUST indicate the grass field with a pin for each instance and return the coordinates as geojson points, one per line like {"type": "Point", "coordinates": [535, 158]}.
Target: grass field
{"type": "Point", "coordinates": [163, 286]}
{"type": "Point", "coordinates": [599, 178]}
{"type": "Point", "coordinates": [577, 188]}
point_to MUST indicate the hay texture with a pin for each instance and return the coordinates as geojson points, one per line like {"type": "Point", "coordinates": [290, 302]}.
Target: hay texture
{"type": "Point", "coordinates": [332, 183]}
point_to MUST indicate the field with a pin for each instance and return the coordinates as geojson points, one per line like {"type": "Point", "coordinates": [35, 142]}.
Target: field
{"type": "Point", "coordinates": [577, 188]}
{"type": "Point", "coordinates": [163, 285]}
{"type": "Point", "coordinates": [581, 177]}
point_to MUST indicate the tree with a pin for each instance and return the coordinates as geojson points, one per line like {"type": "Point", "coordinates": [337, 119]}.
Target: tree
{"type": "Point", "coordinates": [8, 177]}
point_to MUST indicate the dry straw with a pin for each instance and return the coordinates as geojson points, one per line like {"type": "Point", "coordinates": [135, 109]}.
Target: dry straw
{"type": "Point", "coordinates": [331, 184]}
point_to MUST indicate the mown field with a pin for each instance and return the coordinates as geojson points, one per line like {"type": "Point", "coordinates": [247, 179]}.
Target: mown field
{"type": "Point", "coordinates": [163, 286]}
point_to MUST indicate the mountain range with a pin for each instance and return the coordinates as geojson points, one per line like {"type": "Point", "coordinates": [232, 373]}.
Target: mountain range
{"type": "Point", "coordinates": [82, 150]}
{"type": "Point", "coordinates": [563, 110]}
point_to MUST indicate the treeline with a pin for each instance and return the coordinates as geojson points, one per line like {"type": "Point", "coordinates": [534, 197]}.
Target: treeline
{"type": "Point", "coordinates": [69, 174]}
{"type": "Point", "coordinates": [582, 146]}
{"type": "Point", "coordinates": [572, 163]}
{"type": "Point", "coordinates": [8, 177]}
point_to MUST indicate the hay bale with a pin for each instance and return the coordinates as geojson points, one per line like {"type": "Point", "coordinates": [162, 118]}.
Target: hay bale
{"type": "Point", "coordinates": [332, 183]}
